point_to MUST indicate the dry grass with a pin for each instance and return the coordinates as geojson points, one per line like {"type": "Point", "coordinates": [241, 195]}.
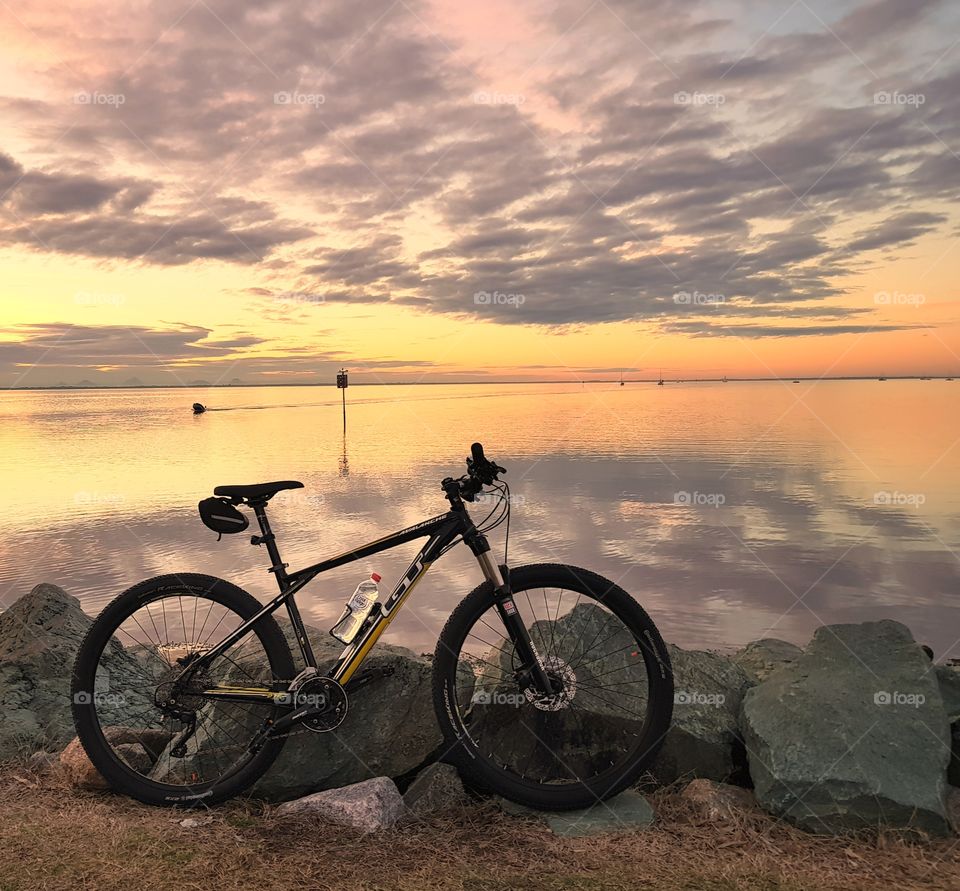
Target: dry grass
{"type": "Point", "coordinates": [53, 837]}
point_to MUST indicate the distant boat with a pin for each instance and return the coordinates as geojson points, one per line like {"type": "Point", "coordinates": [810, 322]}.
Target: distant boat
{"type": "Point", "coordinates": [660, 382]}
{"type": "Point", "coordinates": [621, 378]}
{"type": "Point", "coordinates": [198, 408]}
{"type": "Point", "coordinates": [949, 378]}
{"type": "Point", "coordinates": [724, 379]}
{"type": "Point", "coordinates": [796, 382]}
{"type": "Point", "coordinates": [924, 378]}
{"type": "Point", "coordinates": [881, 378]}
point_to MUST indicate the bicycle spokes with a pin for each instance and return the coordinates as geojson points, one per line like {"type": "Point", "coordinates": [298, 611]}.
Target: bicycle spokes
{"type": "Point", "coordinates": [147, 688]}
{"type": "Point", "coordinates": [599, 682]}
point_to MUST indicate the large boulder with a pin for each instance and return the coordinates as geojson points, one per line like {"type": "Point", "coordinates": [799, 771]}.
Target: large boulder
{"type": "Point", "coordinates": [851, 735]}
{"type": "Point", "coordinates": [390, 730]}
{"type": "Point", "coordinates": [703, 740]}
{"type": "Point", "coordinates": [762, 657]}
{"type": "Point", "coordinates": [948, 677]}
{"type": "Point", "coordinates": [607, 700]}
{"type": "Point", "coordinates": [39, 637]}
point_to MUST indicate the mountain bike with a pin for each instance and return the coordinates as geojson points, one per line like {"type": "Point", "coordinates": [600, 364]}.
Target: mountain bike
{"type": "Point", "coordinates": [551, 685]}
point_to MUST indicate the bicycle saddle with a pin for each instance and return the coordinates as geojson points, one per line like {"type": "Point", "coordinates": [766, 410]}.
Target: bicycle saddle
{"type": "Point", "coordinates": [257, 490]}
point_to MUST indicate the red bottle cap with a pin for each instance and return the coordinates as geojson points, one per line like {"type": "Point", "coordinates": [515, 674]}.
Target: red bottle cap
{"type": "Point", "coordinates": [375, 576]}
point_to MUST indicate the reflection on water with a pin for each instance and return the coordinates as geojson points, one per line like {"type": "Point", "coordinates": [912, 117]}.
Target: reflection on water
{"type": "Point", "coordinates": [730, 511]}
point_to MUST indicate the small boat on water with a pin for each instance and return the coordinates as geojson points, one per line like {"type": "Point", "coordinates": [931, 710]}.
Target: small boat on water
{"type": "Point", "coordinates": [660, 382]}
{"type": "Point", "coordinates": [881, 378]}
{"type": "Point", "coordinates": [796, 382]}
{"type": "Point", "coordinates": [199, 408]}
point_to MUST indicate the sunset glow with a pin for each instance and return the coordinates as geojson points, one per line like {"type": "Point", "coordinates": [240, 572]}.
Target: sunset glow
{"type": "Point", "coordinates": [428, 192]}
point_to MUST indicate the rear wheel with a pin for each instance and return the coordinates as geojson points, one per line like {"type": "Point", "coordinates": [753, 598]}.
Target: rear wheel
{"type": "Point", "coordinates": [611, 675]}
{"type": "Point", "coordinates": [150, 735]}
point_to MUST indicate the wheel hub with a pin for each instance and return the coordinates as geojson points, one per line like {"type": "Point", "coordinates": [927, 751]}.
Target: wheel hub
{"type": "Point", "coordinates": [563, 679]}
{"type": "Point", "coordinates": [175, 696]}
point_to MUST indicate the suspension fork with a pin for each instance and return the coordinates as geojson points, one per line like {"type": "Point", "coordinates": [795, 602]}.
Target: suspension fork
{"type": "Point", "coordinates": [499, 578]}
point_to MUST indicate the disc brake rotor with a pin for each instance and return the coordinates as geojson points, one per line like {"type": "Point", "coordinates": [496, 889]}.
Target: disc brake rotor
{"type": "Point", "coordinates": [564, 681]}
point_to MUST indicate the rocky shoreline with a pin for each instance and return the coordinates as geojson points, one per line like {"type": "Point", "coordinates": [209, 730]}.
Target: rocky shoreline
{"type": "Point", "coordinates": [857, 730]}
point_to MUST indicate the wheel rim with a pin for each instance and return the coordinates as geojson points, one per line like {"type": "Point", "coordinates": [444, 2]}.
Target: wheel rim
{"type": "Point", "coordinates": [135, 681]}
{"type": "Point", "coordinates": [589, 730]}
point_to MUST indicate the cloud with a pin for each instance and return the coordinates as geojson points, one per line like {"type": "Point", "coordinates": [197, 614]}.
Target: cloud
{"type": "Point", "coordinates": [902, 229]}
{"type": "Point", "coordinates": [643, 148]}
{"type": "Point", "coordinates": [46, 354]}
{"type": "Point", "coordinates": [710, 329]}
{"type": "Point", "coordinates": [82, 214]}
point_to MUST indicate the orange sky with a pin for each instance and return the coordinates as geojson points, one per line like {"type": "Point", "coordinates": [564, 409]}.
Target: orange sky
{"type": "Point", "coordinates": [513, 191]}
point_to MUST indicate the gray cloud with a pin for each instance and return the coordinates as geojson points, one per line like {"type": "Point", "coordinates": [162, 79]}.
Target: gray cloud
{"type": "Point", "coordinates": [45, 354]}
{"type": "Point", "coordinates": [709, 329]}
{"type": "Point", "coordinates": [642, 196]}
{"type": "Point", "coordinates": [904, 228]}
{"type": "Point", "coordinates": [82, 214]}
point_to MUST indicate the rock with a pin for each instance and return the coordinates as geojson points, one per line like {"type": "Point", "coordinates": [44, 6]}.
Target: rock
{"type": "Point", "coordinates": [623, 813]}
{"type": "Point", "coordinates": [139, 748]}
{"type": "Point", "coordinates": [437, 788]}
{"type": "Point", "coordinates": [851, 735]}
{"type": "Point", "coordinates": [703, 739]}
{"type": "Point", "coordinates": [953, 771]}
{"type": "Point", "coordinates": [948, 679]}
{"type": "Point", "coordinates": [39, 636]}
{"type": "Point", "coordinates": [78, 769]}
{"type": "Point", "coordinates": [583, 739]}
{"type": "Point", "coordinates": [953, 809]}
{"type": "Point", "coordinates": [369, 806]}
{"type": "Point", "coordinates": [195, 822]}
{"type": "Point", "coordinates": [718, 802]}
{"type": "Point", "coordinates": [390, 730]}
{"type": "Point", "coordinates": [762, 657]}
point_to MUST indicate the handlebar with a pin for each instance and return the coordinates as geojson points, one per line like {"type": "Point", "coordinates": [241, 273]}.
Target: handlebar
{"type": "Point", "coordinates": [480, 472]}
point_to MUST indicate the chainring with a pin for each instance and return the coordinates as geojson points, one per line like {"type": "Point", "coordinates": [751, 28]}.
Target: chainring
{"type": "Point", "coordinates": [327, 701]}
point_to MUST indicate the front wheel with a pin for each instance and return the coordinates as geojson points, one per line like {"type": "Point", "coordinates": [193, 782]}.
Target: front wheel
{"type": "Point", "coordinates": [612, 682]}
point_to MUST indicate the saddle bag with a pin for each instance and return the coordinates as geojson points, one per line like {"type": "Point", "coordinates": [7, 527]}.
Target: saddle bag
{"type": "Point", "coordinates": [221, 516]}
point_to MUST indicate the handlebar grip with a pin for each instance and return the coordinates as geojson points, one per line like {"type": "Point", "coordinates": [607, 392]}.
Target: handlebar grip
{"type": "Point", "coordinates": [476, 450]}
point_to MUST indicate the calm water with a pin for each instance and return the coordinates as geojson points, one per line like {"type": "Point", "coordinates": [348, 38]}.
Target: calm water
{"type": "Point", "coordinates": [730, 511]}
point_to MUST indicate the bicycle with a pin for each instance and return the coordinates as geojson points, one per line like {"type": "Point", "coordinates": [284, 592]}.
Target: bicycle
{"type": "Point", "coordinates": [184, 689]}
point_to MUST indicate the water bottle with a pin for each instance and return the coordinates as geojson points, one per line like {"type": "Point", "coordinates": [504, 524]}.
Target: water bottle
{"type": "Point", "coordinates": [357, 609]}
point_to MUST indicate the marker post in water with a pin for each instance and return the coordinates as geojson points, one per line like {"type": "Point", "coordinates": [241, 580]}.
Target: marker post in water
{"type": "Point", "coordinates": [342, 386]}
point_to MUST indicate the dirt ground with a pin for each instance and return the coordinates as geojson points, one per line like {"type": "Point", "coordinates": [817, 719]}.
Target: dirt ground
{"type": "Point", "coordinates": [53, 837]}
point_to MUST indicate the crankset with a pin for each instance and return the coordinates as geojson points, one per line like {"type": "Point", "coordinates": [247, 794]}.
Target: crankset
{"type": "Point", "coordinates": [319, 705]}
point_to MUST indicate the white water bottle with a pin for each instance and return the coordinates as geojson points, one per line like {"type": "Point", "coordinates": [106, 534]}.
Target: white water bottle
{"type": "Point", "coordinates": [357, 609]}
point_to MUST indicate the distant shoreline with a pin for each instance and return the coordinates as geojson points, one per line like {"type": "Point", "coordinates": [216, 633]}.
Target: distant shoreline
{"type": "Point", "coordinates": [597, 380]}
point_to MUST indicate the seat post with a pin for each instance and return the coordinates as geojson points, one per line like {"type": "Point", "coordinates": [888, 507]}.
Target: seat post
{"type": "Point", "coordinates": [277, 566]}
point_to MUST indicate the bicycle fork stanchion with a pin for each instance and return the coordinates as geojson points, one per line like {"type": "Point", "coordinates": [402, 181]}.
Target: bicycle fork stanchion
{"type": "Point", "coordinates": [499, 578]}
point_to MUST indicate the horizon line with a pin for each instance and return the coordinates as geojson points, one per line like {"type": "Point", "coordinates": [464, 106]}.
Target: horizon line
{"type": "Point", "coordinates": [595, 380]}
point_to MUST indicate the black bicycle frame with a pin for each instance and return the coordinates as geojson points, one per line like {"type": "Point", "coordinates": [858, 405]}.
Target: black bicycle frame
{"type": "Point", "coordinates": [440, 532]}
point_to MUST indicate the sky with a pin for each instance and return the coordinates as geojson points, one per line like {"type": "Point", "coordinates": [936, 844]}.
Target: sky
{"type": "Point", "coordinates": [426, 190]}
